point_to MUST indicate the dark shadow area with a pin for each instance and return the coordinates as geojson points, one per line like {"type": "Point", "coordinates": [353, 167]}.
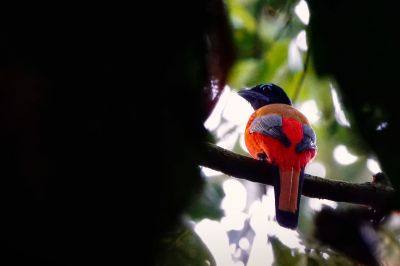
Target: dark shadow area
{"type": "Point", "coordinates": [100, 125]}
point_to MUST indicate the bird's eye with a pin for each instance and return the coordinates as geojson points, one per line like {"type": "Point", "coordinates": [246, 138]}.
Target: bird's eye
{"type": "Point", "coordinates": [266, 88]}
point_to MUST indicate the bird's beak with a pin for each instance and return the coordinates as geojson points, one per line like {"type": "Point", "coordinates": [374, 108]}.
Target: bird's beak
{"type": "Point", "coordinates": [249, 95]}
{"type": "Point", "coordinates": [254, 98]}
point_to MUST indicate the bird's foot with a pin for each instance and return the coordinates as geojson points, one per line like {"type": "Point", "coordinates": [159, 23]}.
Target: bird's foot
{"type": "Point", "coordinates": [262, 156]}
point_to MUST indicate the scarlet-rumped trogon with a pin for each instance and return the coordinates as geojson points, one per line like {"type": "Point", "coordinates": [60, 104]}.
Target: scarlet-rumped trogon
{"type": "Point", "coordinates": [282, 136]}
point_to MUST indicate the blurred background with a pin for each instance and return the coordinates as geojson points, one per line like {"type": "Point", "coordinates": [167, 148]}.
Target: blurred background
{"type": "Point", "coordinates": [103, 121]}
{"type": "Point", "coordinates": [235, 218]}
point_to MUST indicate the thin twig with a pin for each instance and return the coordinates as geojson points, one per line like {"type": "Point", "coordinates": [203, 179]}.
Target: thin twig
{"type": "Point", "coordinates": [299, 85]}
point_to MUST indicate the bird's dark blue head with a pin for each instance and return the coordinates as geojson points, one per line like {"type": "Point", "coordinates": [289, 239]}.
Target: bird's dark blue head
{"type": "Point", "coordinates": [264, 94]}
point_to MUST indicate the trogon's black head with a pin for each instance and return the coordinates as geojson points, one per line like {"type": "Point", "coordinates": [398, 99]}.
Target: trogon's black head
{"type": "Point", "coordinates": [264, 94]}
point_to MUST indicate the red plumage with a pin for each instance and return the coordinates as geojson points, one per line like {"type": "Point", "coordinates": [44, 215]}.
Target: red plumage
{"type": "Point", "coordinates": [277, 153]}
{"type": "Point", "coordinates": [290, 162]}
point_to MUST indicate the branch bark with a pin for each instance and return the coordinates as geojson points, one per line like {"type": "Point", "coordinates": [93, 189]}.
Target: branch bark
{"type": "Point", "coordinates": [372, 194]}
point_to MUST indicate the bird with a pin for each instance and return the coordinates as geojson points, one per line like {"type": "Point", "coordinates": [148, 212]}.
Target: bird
{"type": "Point", "coordinates": [280, 135]}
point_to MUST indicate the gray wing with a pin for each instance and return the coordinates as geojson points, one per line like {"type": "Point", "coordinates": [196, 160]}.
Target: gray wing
{"type": "Point", "coordinates": [270, 125]}
{"type": "Point", "coordinates": [309, 141]}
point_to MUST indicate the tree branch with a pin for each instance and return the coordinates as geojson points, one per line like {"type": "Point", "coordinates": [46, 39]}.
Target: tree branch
{"type": "Point", "coordinates": [243, 167]}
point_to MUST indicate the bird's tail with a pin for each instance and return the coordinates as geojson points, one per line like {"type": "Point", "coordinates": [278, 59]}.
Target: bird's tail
{"type": "Point", "coordinates": [288, 184]}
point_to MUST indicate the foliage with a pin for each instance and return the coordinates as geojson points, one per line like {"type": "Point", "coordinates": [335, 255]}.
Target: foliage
{"type": "Point", "coordinates": [286, 256]}
{"type": "Point", "coordinates": [268, 38]}
{"type": "Point", "coordinates": [358, 52]}
{"type": "Point", "coordinates": [208, 204]}
{"type": "Point", "coordinates": [183, 247]}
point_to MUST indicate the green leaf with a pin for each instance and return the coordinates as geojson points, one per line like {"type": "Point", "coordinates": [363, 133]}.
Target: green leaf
{"type": "Point", "coordinates": [183, 247]}
{"type": "Point", "coordinates": [314, 262]}
{"type": "Point", "coordinates": [389, 247]}
{"type": "Point", "coordinates": [331, 259]}
{"type": "Point", "coordinates": [241, 18]}
{"type": "Point", "coordinates": [281, 4]}
{"type": "Point", "coordinates": [208, 205]}
{"type": "Point", "coordinates": [277, 55]}
{"type": "Point", "coordinates": [242, 73]}
{"type": "Point", "coordinates": [276, 60]}
{"type": "Point", "coordinates": [286, 256]}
